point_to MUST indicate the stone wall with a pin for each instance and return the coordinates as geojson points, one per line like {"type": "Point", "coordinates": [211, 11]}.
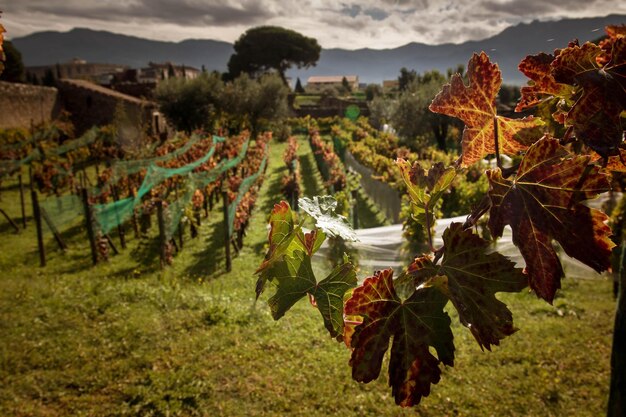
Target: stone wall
{"type": "Point", "coordinates": [22, 105]}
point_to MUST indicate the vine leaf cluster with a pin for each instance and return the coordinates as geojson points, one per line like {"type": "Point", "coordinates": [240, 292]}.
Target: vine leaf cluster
{"type": "Point", "coordinates": [566, 156]}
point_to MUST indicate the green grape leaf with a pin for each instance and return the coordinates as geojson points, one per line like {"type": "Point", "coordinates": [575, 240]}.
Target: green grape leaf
{"type": "Point", "coordinates": [543, 86]}
{"type": "Point", "coordinates": [470, 276]}
{"type": "Point", "coordinates": [475, 105]}
{"type": "Point", "coordinates": [322, 209]}
{"type": "Point", "coordinates": [595, 116]}
{"type": "Point", "coordinates": [294, 279]}
{"type": "Point", "coordinates": [543, 203]}
{"type": "Point", "coordinates": [415, 324]}
{"type": "Point", "coordinates": [285, 237]}
{"type": "Point", "coordinates": [425, 189]}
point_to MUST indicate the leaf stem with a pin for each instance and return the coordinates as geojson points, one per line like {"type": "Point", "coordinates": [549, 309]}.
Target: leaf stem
{"type": "Point", "coordinates": [496, 142]}
{"type": "Point", "coordinates": [478, 212]}
{"type": "Point", "coordinates": [430, 234]}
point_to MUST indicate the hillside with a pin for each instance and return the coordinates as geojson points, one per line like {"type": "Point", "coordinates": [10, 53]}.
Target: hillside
{"type": "Point", "coordinates": [506, 48]}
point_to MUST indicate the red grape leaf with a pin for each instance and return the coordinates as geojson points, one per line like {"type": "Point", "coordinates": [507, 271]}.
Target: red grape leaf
{"type": "Point", "coordinates": [425, 189]}
{"type": "Point", "coordinates": [470, 277]}
{"type": "Point", "coordinates": [595, 115]}
{"type": "Point", "coordinates": [616, 163]}
{"type": "Point", "coordinates": [475, 105]}
{"type": "Point", "coordinates": [294, 279]}
{"type": "Point", "coordinates": [542, 204]}
{"type": "Point", "coordinates": [415, 324]}
{"type": "Point", "coordinates": [542, 86]}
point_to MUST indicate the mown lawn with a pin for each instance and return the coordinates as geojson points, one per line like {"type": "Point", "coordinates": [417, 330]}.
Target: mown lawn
{"type": "Point", "coordinates": [124, 338]}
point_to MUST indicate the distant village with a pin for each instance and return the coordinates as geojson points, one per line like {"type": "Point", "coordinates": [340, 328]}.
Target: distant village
{"type": "Point", "coordinates": [140, 82]}
{"type": "Point", "coordinates": [90, 93]}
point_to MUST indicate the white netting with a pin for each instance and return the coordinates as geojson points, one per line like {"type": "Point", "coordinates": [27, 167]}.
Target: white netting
{"type": "Point", "coordinates": [381, 247]}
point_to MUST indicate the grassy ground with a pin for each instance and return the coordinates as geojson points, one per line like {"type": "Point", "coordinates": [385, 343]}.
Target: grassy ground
{"type": "Point", "coordinates": [124, 338]}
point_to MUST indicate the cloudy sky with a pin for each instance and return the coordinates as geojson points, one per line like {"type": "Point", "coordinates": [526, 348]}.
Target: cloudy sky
{"type": "Point", "coordinates": [334, 23]}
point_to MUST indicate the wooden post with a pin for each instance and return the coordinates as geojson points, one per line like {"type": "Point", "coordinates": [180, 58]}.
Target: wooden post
{"type": "Point", "coordinates": [89, 223]}
{"type": "Point", "coordinates": [617, 391]}
{"type": "Point", "coordinates": [37, 216]}
{"type": "Point", "coordinates": [53, 229]}
{"type": "Point", "coordinates": [135, 223]}
{"type": "Point", "coordinates": [162, 240]}
{"type": "Point", "coordinates": [181, 230]}
{"type": "Point", "coordinates": [193, 230]}
{"type": "Point", "coordinates": [181, 234]}
{"type": "Point", "coordinates": [226, 230]}
{"type": "Point", "coordinates": [30, 177]}
{"type": "Point", "coordinates": [111, 244]}
{"type": "Point", "coordinates": [120, 226]}
{"type": "Point", "coordinates": [19, 177]}
{"type": "Point", "coordinates": [6, 216]}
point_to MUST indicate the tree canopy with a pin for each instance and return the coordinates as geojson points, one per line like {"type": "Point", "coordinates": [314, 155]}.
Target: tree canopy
{"type": "Point", "coordinates": [190, 104]}
{"type": "Point", "coordinates": [13, 66]}
{"type": "Point", "coordinates": [243, 103]}
{"type": "Point", "coordinates": [267, 48]}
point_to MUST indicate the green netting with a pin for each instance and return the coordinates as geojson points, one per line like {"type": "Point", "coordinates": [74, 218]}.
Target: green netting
{"type": "Point", "coordinates": [111, 215]}
{"type": "Point", "coordinates": [38, 136]}
{"type": "Point", "coordinates": [125, 168]}
{"type": "Point", "coordinates": [196, 181]}
{"type": "Point", "coordinates": [63, 211]}
{"type": "Point", "coordinates": [87, 139]}
{"type": "Point", "coordinates": [10, 166]}
{"type": "Point", "coordinates": [243, 189]}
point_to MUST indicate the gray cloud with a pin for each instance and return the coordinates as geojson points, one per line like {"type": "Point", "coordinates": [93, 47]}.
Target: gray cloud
{"type": "Point", "coordinates": [344, 23]}
{"type": "Point", "coordinates": [376, 14]}
{"type": "Point", "coordinates": [186, 12]}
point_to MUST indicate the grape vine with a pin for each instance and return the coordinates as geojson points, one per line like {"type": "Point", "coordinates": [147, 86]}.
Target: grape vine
{"type": "Point", "coordinates": [568, 153]}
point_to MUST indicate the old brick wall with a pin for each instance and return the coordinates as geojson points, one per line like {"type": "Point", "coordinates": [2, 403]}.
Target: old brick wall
{"type": "Point", "coordinates": [22, 105]}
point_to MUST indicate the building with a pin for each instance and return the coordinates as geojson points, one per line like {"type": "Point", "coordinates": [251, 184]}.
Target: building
{"type": "Point", "coordinates": [156, 72]}
{"type": "Point", "coordinates": [77, 69]}
{"type": "Point", "coordinates": [90, 105]}
{"type": "Point", "coordinates": [318, 83]}
{"type": "Point", "coordinates": [391, 86]}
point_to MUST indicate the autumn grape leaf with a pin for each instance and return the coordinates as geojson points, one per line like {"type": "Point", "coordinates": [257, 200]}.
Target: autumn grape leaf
{"type": "Point", "coordinates": [322, 209]}
{"type": "Point", "coordinates": [425, 189]}
{"type": "Point", "coordinates": [294, 279]}
{"type": "Point", "coordinates": [616, 163]}
{"type": "Point", "coordinates": [475, 105]}
{"type": "Point", "coordinates": [542, 85]}
{"type": "Point", "coordinates": [470, 276]}
{"type": "Point", "coordinates": [543, 203]}
{"type": "Point", "coordinates": [415, 324]}
{"type": "Point", "coordinates": [595, 115]}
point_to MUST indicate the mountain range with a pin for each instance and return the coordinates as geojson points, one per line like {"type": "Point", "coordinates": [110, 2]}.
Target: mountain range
{"type": "Point", "coordinates": [371, 65]}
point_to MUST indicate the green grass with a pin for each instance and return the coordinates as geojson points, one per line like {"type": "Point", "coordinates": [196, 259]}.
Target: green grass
{"type": "Point", "coordinates": [124, 338]}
